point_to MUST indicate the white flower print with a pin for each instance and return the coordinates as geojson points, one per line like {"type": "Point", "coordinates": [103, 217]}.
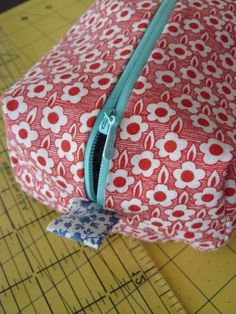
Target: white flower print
{"type": "Point", "coordinates": [188, 236]}
{"type": "Point", "coordinates": [160, 112]}
{"type": "Point", "coordinates": [233, 108]}
{"type": "Point", "coordinates": [144, 163]}
{"type": "Point", "coordinates": [161, 195]}
{"type": "Point", "coordinates": [211, 68]}
{"type": "Point", "coordinates": [223, 118]}
{"type": "Point", "coordinates": [14, 106]}
{"type": "Point", "coordinates": [39, 89]}
{"type": "Point", "coordinates": [193, 25]}
{"type": "Point", "coordinates": [228, 16]}
{"type": "Point", "coordinates": [87, 120]}
{"type": "Point", "coordinates": [173, 28]}
{"type": "Point", "coordinates": [179, 212]}
{"type": "Point", "coordinates": [48, 193]}
{"type": "Point", "coordinates": [24, 134]}
{"type": "Point", "coordinates": [232, 134]}
{"type": "Point", "coordinates": [186, 102]}
{"type": "Point", "coordinates": [192, 74]}
{"type": "Point", "coordinates": [117, 42]}
{"type": "Point", "coordinates": [124, 15]}
{"type": "Point", "coordinates": [65, 77]}
{"type": "Point", "coordinates": [200, 47]}
{"type": "Point", "coordinates": [226, 90]}
{"type": "Point", "coordinates": [14, 147]}
{"type": "Point", "coordinates": [119, 181]}
{"type": "Point", "coordinates": [57, 61]}
{"type": "Point", "coordinates": [64, 187]}
{"type": "Point", "coordinates": [83, 43]}
{"type": "Point", "coordinates": [205, 245]}
{"type": "Point", "coordinates": [145, 5]}
{"type": "Point", "coordinates": [110, 32]}
{"type": "Point", "coordinates": [62, 68]}
{"type": "Point", "coordinates": [103, 81]}
{"type": "Point", "coordinates": [34, 73]}
{"type": "Point", "coordinates": [27, 178]}
{"type": "Point", "coordinates": [114, 7]}
{"type": "Point", "coordinates": [132, 128]}
{"type": "Point", "coordinates": [42, 160]}
{"type": "Point", "coordinates": [230, 191]}
{"type": "Point", "coordinates": [214, 21]}
{"type": "Point", "coordinates": [36, 171]}
{"type": "Point", "coordinates": [124, 52]}
{"type": "Point", "coordinates": [197, 224]}
{"type": "Point", "coordinates": [95, 67]}
{"type": "Point", "coordinates": [13, 158]}
{"type": "Point", "coordinates": [171, 145]}
{"type": "Point", "coordinates": [204, 122]}
{"type": "Point", "coordinates": [159, 56]}
{"type": "Point", "coordinates": [167, 78]}
{"type": "Point", "coordinates": [179, 51]}
{"type": "Point", "coordinates": [209, 197]}
{"type": "Point", "coordinates": [199, 5]}
{"type": "Point", "coordinates": [188, 176]}
{"type": "Point", "coordinates": [228, 61]}
{"type": "Point", "coordinates": [215, 151]}
{"type": "Point", "coordinates": [217, 213]}
{"type": "Point", "coordinates": [229, 227]}
{"type": "Point", "coordinates": [205, 95]}
{"type": "Point", "coordinates": [156, 224]}
{"type": "Point", "coordinates": [66, 147]}
{"type": "Point", "coordinates": [100, 24]}
{"type": "Point", "coordinates": [217, 4]}
{"type": "Point", "coordinates": [218, 234]}
{"type": "Point", "coordinates": [140, 25]}
{"type": "Point", "coordinates": [91, 20]}
{"type": "Point", "coordinates": [55, 53]}
{"type": "Point", "coordinates": [141, 85]}
{"type": "Point", "coordinates": [53, 119]}
{"type": "Point", "coordinates": [74, 93]}
{"type": "Point", "coordinates": [224, 39]}
{"type": "Point", "coordinates": [90, 55]}
{"type": "Point", "coordinates": [134, 206]}
{"type": "Point", "coordinates": [78, 171]}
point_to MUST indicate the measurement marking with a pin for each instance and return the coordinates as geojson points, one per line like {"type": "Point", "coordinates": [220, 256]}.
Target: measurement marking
{"type": "Point", "coordinates": [163, 293]}
{"type": "Point", "coordinates": [58, 261]}
{"type": "Point", "coordinates": [6, 235]}
{"type": "Point", "coordinates": [118, 281]}
{"type": "Point", "coordinates": [44, 295]}
{"type": "Point", "coordinates": [2, 307]}
{"type": "Point", "coordinates": [90, 304]}
{"type": "Point", "coordinates": [94, 270]}
{"type": "Point", "coordinates": [63, 258]}
{"type": "Point", "coordinates": [121, 286]}
{"type": "Point", "coordinates": [114, 305]}
{"type": "Point", "coordinates": [15, 284]}
{"type": "Point", "coordinates": [174, 304]}
{"type": "Point", "coordinates": [66, 304]}
{"type": "Point", "coordinates": [6, 212]}
{"type": "Point", "coordinates": [148, 279]}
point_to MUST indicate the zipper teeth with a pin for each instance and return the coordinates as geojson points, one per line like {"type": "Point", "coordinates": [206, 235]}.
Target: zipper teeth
{"type": "Point", "coordinates": [91, 165]}
{"type": "Point", "coordinates": [125, 84]}
{"type": "Point", "coordinates": [123, 98]}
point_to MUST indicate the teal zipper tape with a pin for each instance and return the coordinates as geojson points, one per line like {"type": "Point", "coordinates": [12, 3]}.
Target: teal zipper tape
{"type": "Point", "coordinates": [118, 101]}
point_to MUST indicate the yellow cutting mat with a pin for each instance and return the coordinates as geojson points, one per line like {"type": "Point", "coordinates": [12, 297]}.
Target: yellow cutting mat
{"type": "Point", "coordinates": [41, 273]}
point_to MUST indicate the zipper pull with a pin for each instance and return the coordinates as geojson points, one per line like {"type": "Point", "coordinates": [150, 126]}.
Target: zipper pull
{"type": "Point", "coordinates": [108, 127]}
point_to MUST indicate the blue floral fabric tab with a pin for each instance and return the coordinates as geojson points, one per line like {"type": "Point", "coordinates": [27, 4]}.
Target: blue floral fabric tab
{"type": "Point", "coordinates": [86, 222]}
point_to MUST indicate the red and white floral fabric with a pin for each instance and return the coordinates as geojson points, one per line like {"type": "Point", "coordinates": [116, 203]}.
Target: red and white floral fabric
{"type": "Point", "coordinates": [173, 176]}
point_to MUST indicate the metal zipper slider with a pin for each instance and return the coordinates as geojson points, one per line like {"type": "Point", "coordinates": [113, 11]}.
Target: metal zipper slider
{"type": "Point", "coordinates": [108, 127]}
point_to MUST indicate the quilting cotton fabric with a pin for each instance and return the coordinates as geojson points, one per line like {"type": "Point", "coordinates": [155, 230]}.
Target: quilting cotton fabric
{"type": "Point", "coordinates": [173, 176]}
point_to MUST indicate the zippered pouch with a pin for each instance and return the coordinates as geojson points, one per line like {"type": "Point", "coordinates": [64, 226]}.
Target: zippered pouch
{"type": "Point", "coordinates": [128, 124]}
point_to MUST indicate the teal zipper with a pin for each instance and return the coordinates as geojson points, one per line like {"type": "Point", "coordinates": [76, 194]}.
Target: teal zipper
{"type": "Point", "coordinates": [111, 114]}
